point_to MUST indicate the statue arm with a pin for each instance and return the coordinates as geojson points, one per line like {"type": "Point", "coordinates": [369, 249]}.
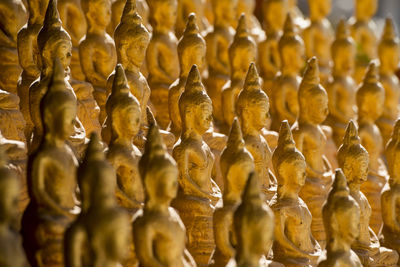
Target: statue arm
{"type": "Point", "coordinates": [280, 103]}
{"type": "Point", "coordinates": [73, 241]}
{"type": "Point", "coordinates": [144, 246]}
{"type": "Point", "coordinates": [388, 202]}
{"type": "Point", "coordinates": [152, 58]}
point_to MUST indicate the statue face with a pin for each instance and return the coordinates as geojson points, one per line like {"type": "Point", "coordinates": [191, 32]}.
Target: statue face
{"type": "Point", "coordinates": [372, 106]}
{"type": "Point", "coordinates": [318, 108]}
{"type": "Point", "coordinates": [242, 58]}
{"type": "Point", "coordinates": [136, 50]}
{"type": "Point", "coordinates": [344, 59]}
{"type": "Point", "coordinates": [66, 121]}
{"type": "Point", "coordinates": [259, 115]}
{"type": "Point", "coordinates": [323, 6]}
{"type": "Point", "coordinates": [103, 13]}
{"type": "Point", "coordinates": [293, 56]}
{"type": "Point", "coordinates": [276, 14]}
{"type": "Point", "coordinates": [349, 225]}
{"type": "Point", "coordinates": [203, 117]}
{"type": "Point", "coordinates": [226, 11]}
{"type": "Point", "coordinates": [366, 8]}
{"type": "Point", "coordinates": [356, 170]}
{"type": "Point", "coordinates": [129, 121]}
{"type": "Point", "coordinates": [64, 53]}
{"type": "Point", "coordinates": [167, 15]}
{"type": "Point", "coordinates": [167, 187]}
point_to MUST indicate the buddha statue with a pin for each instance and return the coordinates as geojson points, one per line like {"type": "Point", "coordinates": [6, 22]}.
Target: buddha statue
{"type": "Point", "coordinates": [185, 8]}
{"type": "Point", "coordinates": [159, 233]}
{"type": "Point", "coordinates": [51, 176]}
{"type": "Point", "coordinates": [341, 87]}
{"type": "Point", "coordinates": [353, 160]}
{"type": "Point", "coordinates": [269, 60]}
{"type": "Point", "coordinates": [117, 9]}
{"type": "Point", "coordinates": [341, 215]}
{"type": "Point", "coordinates": [53, 42]}
{"type": "Point", "coordinates": [391, 146]}
{"type": "Point", "coordinates": [13, 123]}
{"type": "Point", "coordinates": [198, 193]}
{"type": "Point", "coordinates": [236, 166]}
{"type": "Point", "coordinates": [252, 108]}
{"type": "Point", "coordinates": [97, 50]}
{"type": "Point", "coordinates": [13, 16]}
{"type": "Point", "coordinates": [12, 253]}
{"type": "Point", "coordinates": [218, 41]}
{"type": "Point", "coordinates": [294, 243]}
{"type": "Point", "coordinates": [191, 50]}
{"type": "Point", "coordinates": [318, 36]}
{"type": "Point", "coordinates": [311, 141]}
{"type": "Point", "coordinates": [73, 20]}
{"type": "Point", "coordinates": [29, 58]}
{"type": "Point", "coordinates": [389, 58]}
{"type": "Point", "coordinates": [242, 52]}
{"type": "Point", "coordinates": [100, 234]}
{"type": "Point", "coordinates": [287, 81]}
{"type": "Point", "coordinates": [247, 8]}
{"type": "Point", "coordinates": [370, 102]}
{"type": "Point", "coordinates": [253, 224]}
{"type": "Point", "coordinates": [162, 57]}
{"type": "Point", "coordinates": [363, 31]}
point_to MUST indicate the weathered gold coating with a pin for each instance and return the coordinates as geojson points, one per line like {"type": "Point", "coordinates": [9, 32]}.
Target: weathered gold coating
{"type": "Point", "coordinates": [117, 9]}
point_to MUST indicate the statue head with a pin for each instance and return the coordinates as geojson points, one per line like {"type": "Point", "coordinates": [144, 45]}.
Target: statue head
{"type": "Point", "coordinates": [274, 12]}
{"type": "Point", "coordinates": [370, 95]}
{"type": "Point", "coordinates": [224, 11]}
{"type": "Point", "coordinates": [242, 51]}
{"type": "Point", "coordinates": [341, 215]}
{"type": "Point", "coordinates": [236, 164]}
{"type": "Point", "coordinates": [391, 148]}
{"type": "Point", "coordinates": [365, 9]}
{"type": "Point", "coordinates": [343, 50]}
{"type": "Point", "coordinates": [291, 46]}
{"type": "Point", "coordinates": [163, 13]}
{"type": "Point", "coordinates": [131, 37]}
{"type": "Point", "coordinates": [388, 48]}
{"type": "Point", "coordinates": [353, 158]}
{"type": "Point", "coordinates": [252, 105]}
{"type": "Point", "coordinates": [123, 109]}
{"type": "Point", "coordinates": [53, 41]}
{"type": "Point", "coordinates": [97, 13]}
{"type": "Point", "coordinates": [319, 9]}
{"type": "Point", "coordinates": [191, 47]}
{"type": "Point", "coordinates": [195, 105]}
{"type": "Point", "coordinates": [313, 99]}
{"type": "Point", "coordinates": [10, 191]}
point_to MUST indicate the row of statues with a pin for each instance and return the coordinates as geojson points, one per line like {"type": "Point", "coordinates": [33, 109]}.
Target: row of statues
{"type": "Point", "coordinates": [134, 147]}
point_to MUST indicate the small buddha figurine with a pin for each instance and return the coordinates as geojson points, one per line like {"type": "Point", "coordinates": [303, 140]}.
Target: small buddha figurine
{"type": "Point", "coordinates": [191, 50]}
{"type": "Point", "coordinates": [13, 17]}
{"type": "Point", "coordinates": [353, 160]}
{"type": "Point", "coordinates": [12, 253]}
{"type": "Point", "coordinates": [318, 36]}
{"type": "Point", "coordinates": [236, 166]}
{"type": "Point", "coordinates": [117, 9]}
{"type": "Point", "coordinates": [123, 117]}
{"type": "Point", "coordinates": [162, 57]}
{"type": "Point", "coordinates": [294, 244]}
{"type": "Point", "coordinates": [252, 109]}
{"type": "Point", "coordinates": [13, 123]}
{"type": "Point", "coordinates": [218, 41]}
{"type": "Point", "coordinates": [29, 58]}
{"type": "Point", "coordinates": [159, 233]}
{"type": "Point", "coordinates": [253, 224]}
{"type": "Point", "coordinates": [341, 215]}
{"type": "Point", "coordinates": [247, 7]}
{"type": "Point", "coordinates": [269, 60]}
{"type": "Point", "coordinates": [370, 102]}
{"type": "Point", "coordinates": [198, 193]}
{"type": "Point", "coordinates": [185, 8]}
{"type": "Point", "coordinates": [52, 177]}
{"type": "Point", "coordinates": [389, 58]}
{"type": "Point", "coordinates": [242, 52]}
{"type": "Point", "coordinates": [341, 87]}
{"type": "Point", "coordinates": [97, 49]}
{"type": "Point", "coordinates": [100, 234]}
{"type": "Point", "coordinates": [53, 42]}
{"type": "Point", "coordinates": [363, 31]}
{"type": "Point", "coordinates": [311, 140]}
{"type": "Point", "coordinates": [286, 84]}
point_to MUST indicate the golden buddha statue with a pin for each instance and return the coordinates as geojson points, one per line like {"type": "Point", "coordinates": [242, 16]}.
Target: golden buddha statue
{"type": "Point", "coordinates": [286, 84]}
{"type": "Point", "coordinates": [236, 166]}
{"type": "Point", "coordinates": [162, 57]}
{"type": "Point", "coordinates": [97, 49]}
{"type": "Point", "coordinates": [12, 253]}
{"type": "Point", "coordinates": [370, 102]}
{"type": "Point", "coordinates": [198, 193]}
{"type": "Point", "coordinates": [53, 42]}
{"type": "Point", "coordinates": [159, 233]}
{"type": "Point", "coordinates": [311, 140]}
{"type": "Point", "coordinates": [353, 160]}
{"type": "Point", "coordinates": [117, 9]}
{"type": "Point", "coordinates": [13, 123]}
{"type": "Point", "coordinates": [13, 17]}
{"type": "Point", "coordinates": [100, 234]}
{"type": "Point", "coordinates": [341, 215]}
{"type": "Point", "coordinates": [29, 58]}
{"type": "Point", "coordinates": [52, 176]}
{"type": "Point", "coordinates": [242, 52]}
{"type": "Point", "coordinates": [318, 36]}
{"type": "Point", "coordinates": [218, 41]}
{"type": "Point", "coordinates": [389, 58]}
{"type": "Point", "coordinates": [252, 109]}
{"type": "Point", "coordinates": [191, 50]}
{"type": "Point", "coordinates": [247, 8]}
{"type": "Point", "coordinates": [341, 87]}
{"type": "Point", "coordinates": [185, 8]}
{"type": "Point", "coordinates": [363, 31]}
{"type": "Point", "coordinates": [294, 244]}
{"type": "Point", "coordinates": [269, 60]}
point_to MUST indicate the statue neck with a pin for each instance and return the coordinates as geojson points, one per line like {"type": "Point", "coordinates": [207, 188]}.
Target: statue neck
{"type": "Point", "coordinates": [363, 119]}
{"type": "Point", "coordinates": [288, 69]}
{"type": "Point", "coordinates": [53, 140]}
{"type": "Point", "coordinates": [315, 16]}
{"type": "Point", "coordinates": [287, 193]}
{"type": "Point", "coordinates": [247, 259]}
{"type": "Point", "coordinates": [157, 205]}
{"type": "Point", "coordinates": [337, 245]}
{"type": "Point", "coordinates": [354, 187]}
{"type": "Point", "coordinates": [303, 119]}
{"type": "Point", "coordinates": [221, 23]}
{"type": "Point", "coordinates": [123, 141]}
{"type": "Point", "coordinates": [160, 28]}
{"type": "Point", "coordinates": [95, 29]}
{"type": "Point", "coordinates": [248, 128]}
{"type": "Point", "coordinates": [131, 67]}
{"type": "Point", "coordinates": [103, 203]}
{"type": "Point", "coordinates": [190, 132]}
